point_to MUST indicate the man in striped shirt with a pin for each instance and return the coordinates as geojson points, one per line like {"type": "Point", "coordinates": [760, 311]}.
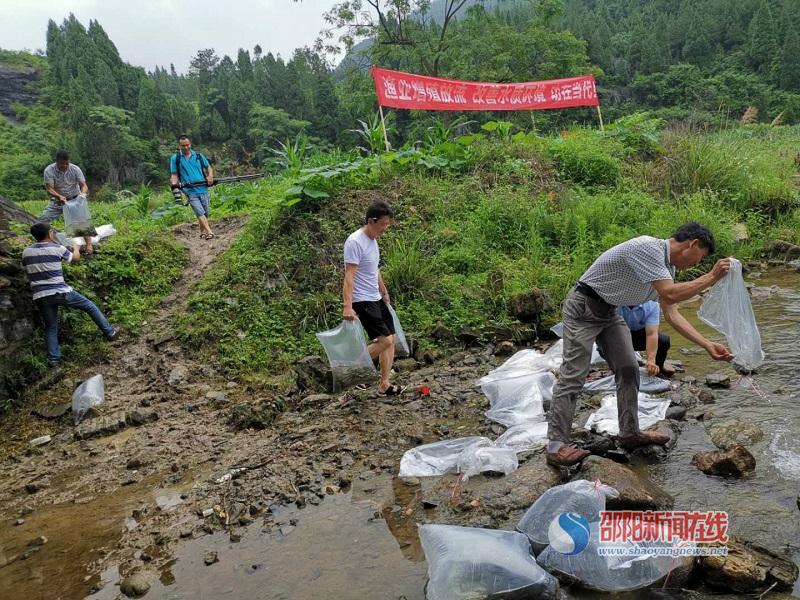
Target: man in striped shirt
{"type": "Point", "coordinates": [42, 262]}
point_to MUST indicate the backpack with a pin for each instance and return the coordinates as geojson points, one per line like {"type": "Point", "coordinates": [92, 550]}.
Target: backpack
{"type": "Point", "coordinates": [177, 157]}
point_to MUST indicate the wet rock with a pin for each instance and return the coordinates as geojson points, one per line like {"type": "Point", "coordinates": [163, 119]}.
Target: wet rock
{"type": "Point", "coordinates": [286, 529]}
{"type": "Point", "coordinates": [35, 486]}
{"type": "Point", "coordinates": [210, 557]}
{"type": "Point", "coordinates": [795, 264]}
{"type": "Point", "coordinates": [217, 397]}
{"type": "Point", "coordinates": [19, 522]}
{"type": "Point", "coordinates": [635, 491]}
{"type": "Point", "coordinates": [312, 373]}
{"type": "Point", "coordinates": [726, 434]}
{"type": "Point", "coordinates": [186, 532]}
{"type": "Point", "coordinates": [101, 426]}
{"type": "Point", "coordinates": [782, 249]}
{"type": "Point", "coordinates": [748, 568]}
{"type": "Point", "coordinates": [137, 462]}
{"type": "Point", "coordinates": [38, 541]}
{"type": "Point", "coordinates": [706, 396]}
{"type": "Point", "coordinates": [135, 585]}
{"type": "Point", "coordinates": [235, 537]}
{"type": "Point", "coordinates": [178, 376]}
{"type": "Point", "coordinates": [253, 416]}
{"type": "Point", "coordinates": [528, 306]}
{"type": "Point", "coordinates": [676, 413]}
{"type": "Point", "coordinates": [441, 333]}
{"type": "Point", "coordinates": [52, 412]}
{"type": "Point", "coordinates": [137, 418]}
{"type": "Point", "coordinates": [683, 397]}
{"type": "Point", "coordinates": [517, 491]}
{"type": "Point", "coordinates": [504, 348]}
{"type": "Point", "coordinates": [406, 365]}
{"type": "Point", "coordinates": [468, 337]}
{"type": "Point", "coordinates": [410, 481]}
{"type": "Point", "coordinates": [718, 380]}
{"type": "Point", "coordinates": [735, 462]}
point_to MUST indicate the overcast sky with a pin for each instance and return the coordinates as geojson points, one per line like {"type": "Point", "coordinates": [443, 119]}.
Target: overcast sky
{"type": "Point", "coordinates": [159, 32]}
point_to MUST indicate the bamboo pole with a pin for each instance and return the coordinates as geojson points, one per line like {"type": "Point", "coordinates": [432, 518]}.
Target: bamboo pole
{"type": "Point", "coordinates": [383, 125]}
{"type": "Point", "coordinates": [600, 116]}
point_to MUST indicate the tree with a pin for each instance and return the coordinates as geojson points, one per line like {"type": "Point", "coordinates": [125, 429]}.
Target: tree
{"type": "Point", "coordinates": [269, 125]}
{"type": "Point", "coordinates": [762, 45]}
{"type": "Point", "coordinates": [788, 66]}
{"type": "Point", "coordinates": [404, 24]}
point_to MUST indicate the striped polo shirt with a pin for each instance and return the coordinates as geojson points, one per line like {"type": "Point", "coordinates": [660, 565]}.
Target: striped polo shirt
{"type": "Point", "coordinates": [624, 275]}
{"type": "Point", "coordinates": [42, 262]}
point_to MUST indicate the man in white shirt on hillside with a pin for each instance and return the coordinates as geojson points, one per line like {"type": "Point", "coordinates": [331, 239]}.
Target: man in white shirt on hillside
{"type": "Point", "coordinates": [364, 294]}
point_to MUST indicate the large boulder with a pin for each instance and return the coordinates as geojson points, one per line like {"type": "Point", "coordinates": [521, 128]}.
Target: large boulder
{"type": "Point", "coordinates": [529, 306]}
{"type": "Point", "coordinates": [748, 568]}
{"type": "Point", "coordinates": [735, 462]}
{"type": "Point", "coordinates": [635, 492]}
{"type": "Point", "coordinates": [782, 249]}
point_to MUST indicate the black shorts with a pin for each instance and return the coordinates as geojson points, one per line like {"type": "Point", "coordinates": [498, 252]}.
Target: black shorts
{"type": "Point", "coordinates": [375, 318]}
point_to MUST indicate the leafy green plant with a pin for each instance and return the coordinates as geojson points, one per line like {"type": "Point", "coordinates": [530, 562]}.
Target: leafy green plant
{"type": "Point", "coordinates": [371, 134]}
{"type": "Point", "coordinates": [291, 154]}
{"type": "Point", "coordinates": [409, 270]}
{"type": "Point", "coordinates": [502, 129]}
{"type": "Point", "coordinates": [139, 202]}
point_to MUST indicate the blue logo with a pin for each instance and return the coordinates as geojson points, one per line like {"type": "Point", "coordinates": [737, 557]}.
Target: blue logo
{"type": "Point", "coordinates": [569, 534]}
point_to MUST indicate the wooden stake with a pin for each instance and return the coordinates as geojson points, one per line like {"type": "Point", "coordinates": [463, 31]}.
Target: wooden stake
{"type": "Point", "coordinates": [383, 125]}
{"type": "Point", "coordinates": [600, 116]}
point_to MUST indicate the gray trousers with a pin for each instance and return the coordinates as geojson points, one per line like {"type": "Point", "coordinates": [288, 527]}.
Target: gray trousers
{"type": "Point", "coordinates": [587, 320]}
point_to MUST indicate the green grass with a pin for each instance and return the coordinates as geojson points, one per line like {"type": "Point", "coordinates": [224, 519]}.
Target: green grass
{"type": "Point", "coordinates": [533, 212]}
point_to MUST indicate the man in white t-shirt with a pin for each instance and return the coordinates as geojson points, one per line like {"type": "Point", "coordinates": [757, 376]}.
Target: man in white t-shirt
{"type": "Point", "coordinates": [364, 294]}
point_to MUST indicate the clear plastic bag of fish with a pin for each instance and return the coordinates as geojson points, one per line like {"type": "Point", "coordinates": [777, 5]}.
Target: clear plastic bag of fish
{"type": "Point", "coordinates": [437, 458]}
{"type": "Point", "coordinates": [525, 436]}
{"type": "Point", "coordinates": [88, 394]}
{"type": "Point", "coordinates": [77, 219]}
{"type": "Point", "coordinates": [647, 384]}
{"type": "Point", "coordinates": [581, 497]}
{"type": "Point", "coordinates": [632, 570]}
{"type": "Point", "coordinates": [726, 307]}
{"type": "Point", "coordinates": [606, 420]}
{"type": "Point", "coordinates": [484, 458]}
{"type": "Point", "coordinates": [517, 397]}
{"type": "Point", "coordinates": [467, 563]}
{"type": "Point", "coordinates": [558, 329]}
{"type": "Point", "coordinates": [400, 343]}
{"type": "Point", "coordinates": [346, 348]}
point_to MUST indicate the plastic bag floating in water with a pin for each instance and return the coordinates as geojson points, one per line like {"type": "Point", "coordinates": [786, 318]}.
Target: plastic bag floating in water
{"type": "Point", "coordinates": [467, 563]}
{"type": "Point", "coordinates": [727, 309]}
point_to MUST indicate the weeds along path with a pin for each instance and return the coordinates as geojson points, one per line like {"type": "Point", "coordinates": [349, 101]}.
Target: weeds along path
{"type": "Point", "coordinates": [146, 398]}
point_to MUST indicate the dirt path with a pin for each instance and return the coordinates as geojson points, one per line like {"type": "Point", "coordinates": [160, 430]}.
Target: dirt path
{"type": "Point", "coordinates": [147, 395]}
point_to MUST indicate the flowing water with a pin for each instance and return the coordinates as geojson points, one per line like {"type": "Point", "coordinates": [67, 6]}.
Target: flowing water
{"type": "Point", "coordinates": [359, 545]}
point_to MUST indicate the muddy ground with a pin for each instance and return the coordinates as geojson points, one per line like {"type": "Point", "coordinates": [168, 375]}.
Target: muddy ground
{"type": "Point", "coordinates": [177, 452]}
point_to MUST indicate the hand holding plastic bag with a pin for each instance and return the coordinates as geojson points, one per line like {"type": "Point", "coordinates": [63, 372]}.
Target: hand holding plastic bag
{"type": "Point", "coordinates": [77, 220]}
{"type": "Point", "coordinates": [727, 309]}
{"type": "Point", "coordinates": [349, 359]}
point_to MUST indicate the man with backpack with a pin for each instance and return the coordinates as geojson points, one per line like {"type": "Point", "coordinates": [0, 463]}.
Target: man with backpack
{"type": "Point", "coordinates": [188, 166]}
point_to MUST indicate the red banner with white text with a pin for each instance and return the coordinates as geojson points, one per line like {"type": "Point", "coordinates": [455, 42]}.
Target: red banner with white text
{"type": "Point", "coordinates": [418, 92]}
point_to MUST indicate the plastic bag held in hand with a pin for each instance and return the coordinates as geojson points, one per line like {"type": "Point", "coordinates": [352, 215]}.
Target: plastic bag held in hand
{"type": "Point", "coordinates": [727, 309]}
{"type": "Point", "coordinates": [400, 344]}
{"type": "Point", "coordinates": [346, 348]}
{"type": "Point", "coordinates": [77, 220]}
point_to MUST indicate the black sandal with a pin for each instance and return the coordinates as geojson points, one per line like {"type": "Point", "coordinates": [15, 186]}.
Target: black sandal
{"type": "Point", "coordinates": [393, 390]}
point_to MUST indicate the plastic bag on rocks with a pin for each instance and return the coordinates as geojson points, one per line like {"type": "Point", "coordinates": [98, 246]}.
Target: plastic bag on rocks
{"type": "Point", "coordinates": [727, 309]}
{"type": "Point", "coordinates": [438, 458]}
{"type": "Point", "coordinates": [467, 563]}
{"type": "Point", "coordinates": [88, 394]}
{"type": "Point", "coordinates": [605, 419]}
{"type": "Point", "coordinates": [77, 220]}
{"type": "Point", "coordinates": [525, 436]}
{"type": "Point", "coordinates": [610, 573]}
{"type": "Point", "coordinates": [346, 348]}
{"type": "Point", "coordinates": [480, 458]}
{"type": "Point", "coordinates": [517, 397]}
{"type": "Point", "coordinates": [647, 384]}
{"type": "Point", "coordinates": [400, 344]}
{"type": "Point", "coordinates": [582, 497]}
